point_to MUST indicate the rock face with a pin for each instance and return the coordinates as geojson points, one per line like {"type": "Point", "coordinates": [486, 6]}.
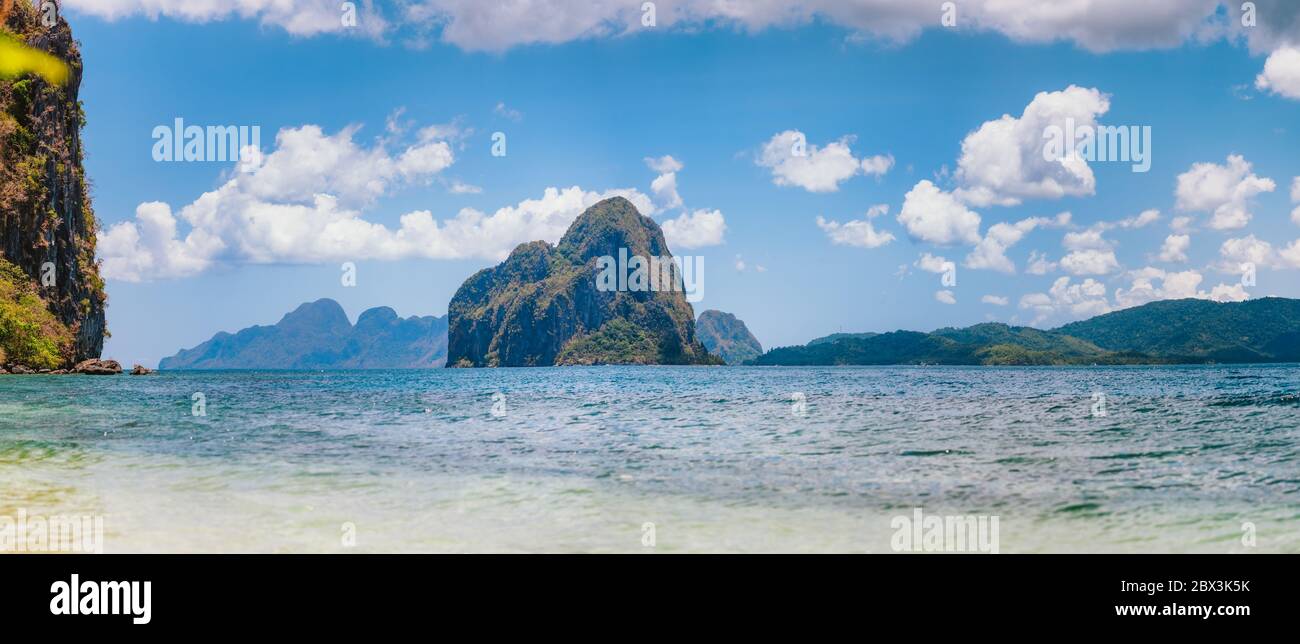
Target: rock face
{"type": "Point", "coordinates": [727, 337]}
{"type": "Point", "coordinates": [47, 226]}
{"type": "Point", "coordinates": [318, 335]}
{"type": "Point", "coordinates": [543, 307]}
{"type": "Point", "coordinates": [93, 367]}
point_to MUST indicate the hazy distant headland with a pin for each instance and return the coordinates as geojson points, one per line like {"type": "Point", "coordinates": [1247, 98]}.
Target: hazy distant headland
{"type": "Point", "coordinates": [318, 335]}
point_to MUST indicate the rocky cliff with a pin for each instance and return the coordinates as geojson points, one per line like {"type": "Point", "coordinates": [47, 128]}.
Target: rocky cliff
{"type": "Point", "coordinates": [545, 305]}
{"type": "Point", "coordinates": [318, 335]}
{"type": "Point", "coordinates": [727, 337]}
{"type": "Point", "coordinates": [47, 226]}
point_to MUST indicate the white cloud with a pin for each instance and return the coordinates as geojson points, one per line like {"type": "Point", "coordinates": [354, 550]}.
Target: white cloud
{"type": "Point", "coordinates": [1173, 286]}
{"type": "Point", "coordinates": [995, 300]}
{"type": "Point", "coordinates": [1281, 73]}
{"type": "Point", "coordinates": [1141, 220]}
{"type": "Point", "coordinates": [664, 186]}
{"type": "Point", "coordinates": [1096, 25]}
{"type": "Point", "coordinates": [1181, 224]}
{"type": "Point", "coordinates": [945, 296]}
{"type": "Point", "coordinates": [297, 17]}
{"type": "Point", "coordinates": [461, 188]}
{"type": "Point", "coordinates": [1225, 191]}
{"type": "Point", "coordinates": [507, 112]}
{"type": "Point", "coordinates": [934, 264]}
{"type": "Point", "coordinates": [1064, 299]}
{"type": "Point", "coordinates": [1090, 253]}
{"type": "Point", "coordinates": [307, 162]}
{"type": "Point", "coordinates": [1228, 293]}
{"type": "Point", "coordinates": [1090, 262]}
{"type": "Point", "coordinates": [1175, 248]}
{"type": "Point", "coordinates": [1039, 264]}
{"type": "Point", "coordinates": [934, 216]}
{"type": "Point", "coordinates": [148, 246]}
{"type": "Point", "coordinates": [795, 162]}
{"type": "Point", "coordinates": [878, 165]}
{"type": "Point", "coordinates": [1067, 301]}
{"type": "Point", "coordinates": [1295, 198]}
{"type": "Point", "coordinates": [990, 252]}
{"type": "Point", "coordinates": [1290, 256]}
{"type": "Point", "coordinates": [695, 229]}
{"type": "Point", "coordinates": [1003, 162]}
{"type": "Point", "coordinates": [1248, 250]}
{"type": "Point", "coordinates": [304, 204]}
{"type": "Point", "coordinates": [857, 232]}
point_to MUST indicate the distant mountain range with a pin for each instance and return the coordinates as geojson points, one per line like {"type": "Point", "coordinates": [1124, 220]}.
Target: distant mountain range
{"type": "Point", "coordinates": [727, 337]}
{"type": "Point", "coordinates": [318, 335]}
{"type": "Point", "coordinates": [1167, 332]}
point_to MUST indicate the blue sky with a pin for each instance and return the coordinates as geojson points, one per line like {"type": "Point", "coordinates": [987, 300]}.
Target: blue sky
{"type": "Point", "coordinates": [588, 107]}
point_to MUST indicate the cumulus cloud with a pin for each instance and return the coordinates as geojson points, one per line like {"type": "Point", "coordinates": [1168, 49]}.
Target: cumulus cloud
{"type": "Point", "coordinates": [1090, 261]}
{"type": "Point", "coordinates": [1281, 73]}
{"type": "Point", "coordinates": [1002, 162]}
{"type": "Point", "coordinates": [795, 162]}
{"type": "Point", "coordinates": [1069, 300]}
{"type": "Point", "coordinates": [1090, 253]}
{"type": "Point", "coordinates": [857, 232]}
{"type": "Point", "coordinates": [695, 229]}
{"type": "Point", "coordinates": [1295, 198]}
{"type": "Point", "coordinates": [305, 203]}
{"type": "Point", "coordinates": [297, 17]}
{"type": "Point", "coordinates": [1252, 250]}
{"type": "Point", "coordinates": [1039, 264]}
{"type": "Point", "coordinates": [506, 112]}
{"type": "Point", "coordinates": [934, 264]}
{"type": "Point", "coordinates": [1225, 191]}
{"type": "Point", "coordinates": [990, 252]}
{"type": "Point", "coordinates": [934, 216]}
{"type": "Point", "coordinates": [664, 186]}
{"type": "Point", "coordinates": [1141, 220]}
{"type": "Point", "coordinates": [1175, 248]}
{"type": "Point", "coordinates": [148, 246]}
{"type": "Point", "coordinates": [945, 296]}
{"type": "Point", "coordinates": [1095, 25]}
{"type": "Point", "coordinates": [995, 300]}
{"type": "Point", "coordinates": [1152, 284]}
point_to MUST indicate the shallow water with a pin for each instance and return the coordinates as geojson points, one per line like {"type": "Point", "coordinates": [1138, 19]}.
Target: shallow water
{"type": "Point", "coordinates": [718, 459]}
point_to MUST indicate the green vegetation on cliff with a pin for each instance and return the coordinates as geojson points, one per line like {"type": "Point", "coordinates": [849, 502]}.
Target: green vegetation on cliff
{"type": "Point", "coordinates": [542, 306]}
{"type": "Point", "coordinates": [29, 334]}
{"type": "Point", "coordinates": [1175, 331]}
{"type": "Point", "coordinates": [727, 337]}
{"type": "Point", "coordinates": [47, 226]}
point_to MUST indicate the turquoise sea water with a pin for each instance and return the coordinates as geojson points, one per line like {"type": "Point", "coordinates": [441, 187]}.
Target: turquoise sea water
{"type": "Point", "coordinates": [717, 459]}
